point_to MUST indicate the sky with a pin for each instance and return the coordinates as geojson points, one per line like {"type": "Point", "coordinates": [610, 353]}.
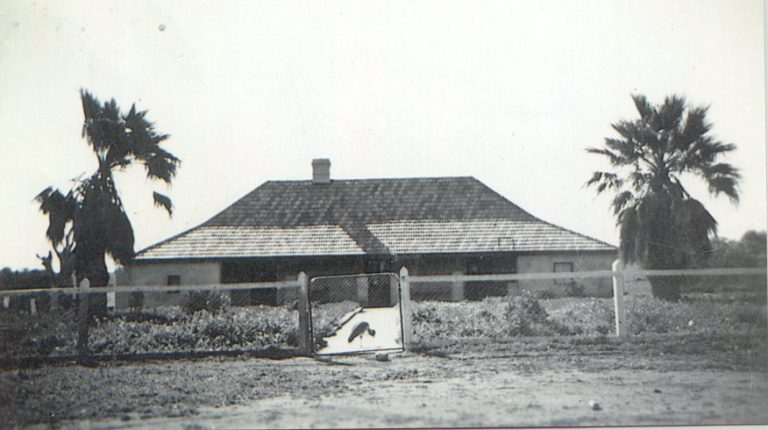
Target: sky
{"type": "Point", "coordinates": [510, 92]}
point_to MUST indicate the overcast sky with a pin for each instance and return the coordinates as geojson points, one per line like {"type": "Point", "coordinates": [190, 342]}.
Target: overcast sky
{"type": "Point", "coordinates": [510, 92]}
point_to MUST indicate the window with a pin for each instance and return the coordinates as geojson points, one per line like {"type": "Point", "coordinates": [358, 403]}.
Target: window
{"type": "Point", "coordinates": [173, 280]}
{"type": "Point", "coordinates": [560, 267]}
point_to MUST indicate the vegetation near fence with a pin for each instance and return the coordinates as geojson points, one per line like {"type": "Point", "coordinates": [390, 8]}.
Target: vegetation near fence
{"type": "Point", "coordinates": [235, 328]}
{"type": "Point", "coordinates": [162, 329]}
{"type": "Point", "coordinates": [526, 315]}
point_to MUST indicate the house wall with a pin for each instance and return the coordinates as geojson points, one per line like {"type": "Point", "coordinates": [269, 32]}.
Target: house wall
{"type": "Point", "coordinates": [461, 264]}
{"type": "Point", "coordinates": [157, 273]}
{"type": "Point", "coordinates": [582, 261]}
{"type": "Point", "coordinates": [507, 263]}
{"type": "Point", "coordinates": [255, 270]}
{"type": "Point", "coordinates": [208, 272]}
{"type": "Point", "coordinates": [286, 269]}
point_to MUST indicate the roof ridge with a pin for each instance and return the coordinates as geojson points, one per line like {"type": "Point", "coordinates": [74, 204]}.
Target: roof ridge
{"type": "Point", "coordinates": [402, 178]}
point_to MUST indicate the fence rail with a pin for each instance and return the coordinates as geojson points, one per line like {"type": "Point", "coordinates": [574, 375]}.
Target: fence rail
{"type": "Point", "coordinates": [413, 278]}
{"type": "Point", "coordinates": [156, 288]}
{"type": "Point", "coordinates": [301, 285]}
{"type": "Point", "coordinates": [588, 274]}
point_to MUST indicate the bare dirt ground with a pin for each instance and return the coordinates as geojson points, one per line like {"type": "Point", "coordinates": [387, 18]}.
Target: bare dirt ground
{"type": "Point", "coordinates": [514, 382]}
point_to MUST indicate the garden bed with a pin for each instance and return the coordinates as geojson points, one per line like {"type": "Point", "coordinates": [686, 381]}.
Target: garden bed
{"type": "Point", "coordinates": [174, 329]}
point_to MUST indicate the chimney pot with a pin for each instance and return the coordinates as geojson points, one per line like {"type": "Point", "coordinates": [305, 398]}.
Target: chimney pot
{"type": "Point", "coordinates": [321, 171]}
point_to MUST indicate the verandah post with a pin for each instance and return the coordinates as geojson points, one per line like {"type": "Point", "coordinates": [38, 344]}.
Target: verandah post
{"type": "Point", "coordinates": [305, 342]}
{"type": "Point", "coordinates": [405, 308]}
{"type": "Point", "coordinates": [618, 298]}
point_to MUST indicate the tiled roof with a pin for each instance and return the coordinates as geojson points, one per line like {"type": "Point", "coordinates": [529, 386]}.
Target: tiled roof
{"type": "Point", "coordinates": [365, 201]}
{"type": "Point", "coordinates": [417, 237]}
{"type": "Point", "coordinates": [374, 216]}
{"type": "Point", "coordinates": [224, 242]}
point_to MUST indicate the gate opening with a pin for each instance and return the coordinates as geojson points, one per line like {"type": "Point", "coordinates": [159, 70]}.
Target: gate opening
{"type": "Point", "coordinates": [356, 314]}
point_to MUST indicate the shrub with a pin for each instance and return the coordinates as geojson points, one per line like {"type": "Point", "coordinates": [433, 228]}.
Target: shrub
{"type": "Point", "coordinates": [546, 294]}
{"type": "Point", "coordinates": [426, 315]}
{"type": "Point", "coordinates": [574, 289]}
{"type": "Point", "coordinates": [210, 301]}
{"type": "Point", "coordinates": [526, 306]}
{"type": "Point", "coordinates": [136, 300]}
{"type": "Point", "coordinates": [161, 315]}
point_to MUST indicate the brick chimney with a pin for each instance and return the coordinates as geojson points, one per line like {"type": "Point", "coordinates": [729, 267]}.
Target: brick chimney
{"type": "Point", "coordinates": [321, 171]}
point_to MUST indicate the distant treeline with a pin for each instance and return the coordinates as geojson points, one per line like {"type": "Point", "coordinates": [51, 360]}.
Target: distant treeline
{"type": "Point", "coordinates": [749, 251]}
{"type": "Point", "coordinates": [23, 279]}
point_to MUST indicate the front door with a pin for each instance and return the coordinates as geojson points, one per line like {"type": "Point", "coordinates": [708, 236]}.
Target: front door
{"type": "Point", "coordinates": [379, 288]}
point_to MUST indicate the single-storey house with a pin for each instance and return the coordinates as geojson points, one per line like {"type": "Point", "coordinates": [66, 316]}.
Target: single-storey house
{"type": "Point", "coordinates": [326, 226]}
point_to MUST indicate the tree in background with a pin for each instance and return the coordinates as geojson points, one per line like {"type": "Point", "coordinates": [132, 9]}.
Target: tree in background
{"type": "Point", "coordinates": [22, 279]}
{"type": "Point", "coordinates": [747, 252]}
{"type": "Point", "coordinates": [661, 225]}
{"type": "Point", "coordinates": [89, 221]}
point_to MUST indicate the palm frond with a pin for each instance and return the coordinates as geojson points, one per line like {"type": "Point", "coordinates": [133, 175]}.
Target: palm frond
{"type": "Point", "coordinates": [613, 158]}
{"type": "Point", "coordinates": [604, 180]}
{"type": "Point", "coordinates": [694, 127]}
{"type": "Point", "coordinates": [629, 130]}
{"type": "Point", "coordinates": [644, 108]}
{"type": "Point", "coordinates": [161, 165]}
{"type": "Point", "coordinates": [120, 239]}
{"type": "Point", "coordinates": [640, 179]}
{"type": "Point", "coordinates": [701, 227]}
{"type": "Point", "coordinates": [670, 114]}
{"type": "Point", "coordinates": [727, 185]}
{"type": "Point", "coordinates": [60, 209]}
{"type": "Point", "coordinates": [163, 201]}
{"type": "Point", "coordinates": [621, 201]}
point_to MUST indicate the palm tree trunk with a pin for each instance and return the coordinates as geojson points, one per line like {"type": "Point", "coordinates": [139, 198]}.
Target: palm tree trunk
{"type": "Point", "coordinates": [91, 265]}
{"type": "Point", "coordinates": [663, 256]}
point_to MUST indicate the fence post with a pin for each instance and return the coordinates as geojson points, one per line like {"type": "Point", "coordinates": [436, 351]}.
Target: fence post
{"type": "Point", "coordinates": [33, 306]}
{"type": "Point", "coordinates": [405, 308]}
{"type": "Point", "coordinates": [305, 335]}
{"type": "Point", "coordinates": [618, 298]}
{"type": "Point", "coordinates": [83, 300]}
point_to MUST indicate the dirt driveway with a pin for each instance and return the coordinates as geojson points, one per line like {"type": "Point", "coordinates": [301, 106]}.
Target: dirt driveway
{"type": "Point", "coordinates": [530, 383]}
{"type": "Point", "coordinates": [550, 398]}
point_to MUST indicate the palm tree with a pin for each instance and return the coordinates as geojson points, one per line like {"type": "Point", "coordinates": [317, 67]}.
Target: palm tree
{"type": "Point", "coordinates": [91, 216]}
{"type": "Point", "coordinates": [661, 225]}
{"type": "Point", "coordinates": [60, 209]}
